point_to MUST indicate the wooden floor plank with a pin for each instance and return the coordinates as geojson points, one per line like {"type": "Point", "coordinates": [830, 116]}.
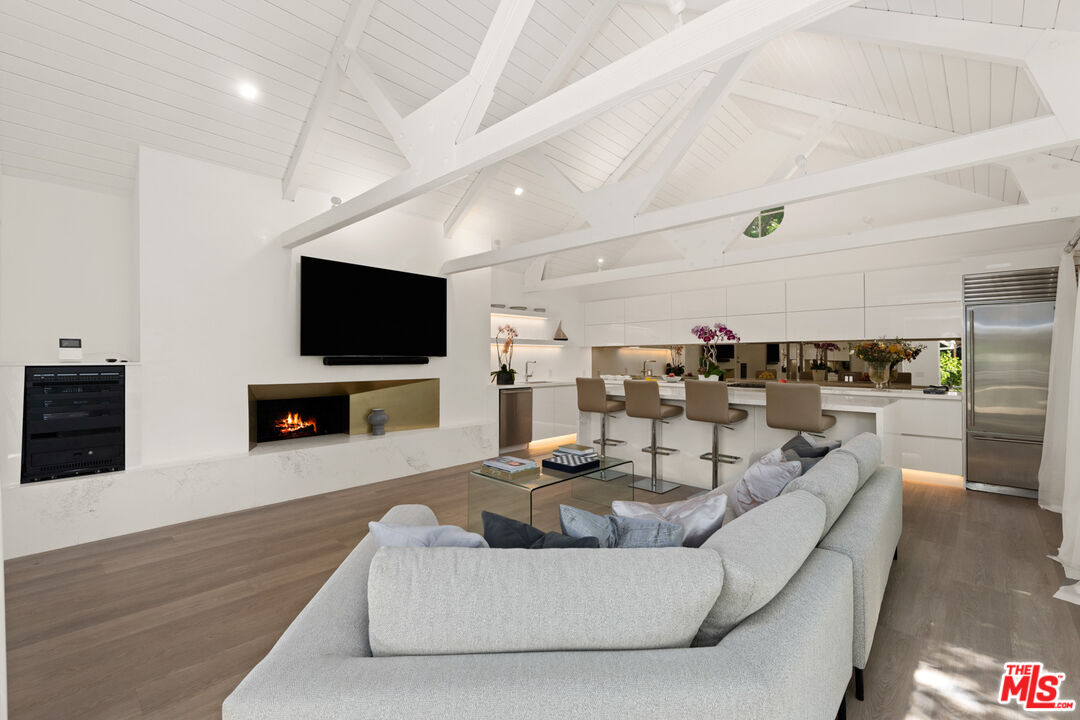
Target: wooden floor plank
{"type": "Point", "coordinates": [165, 623]}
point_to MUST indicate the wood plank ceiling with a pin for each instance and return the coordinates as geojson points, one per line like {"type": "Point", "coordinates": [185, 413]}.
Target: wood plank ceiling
{"type": "Point", "coordinates": [83, 83]}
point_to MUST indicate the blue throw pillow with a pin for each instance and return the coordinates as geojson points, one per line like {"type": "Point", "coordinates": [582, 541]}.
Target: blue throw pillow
{"type": "Point", "coordinates": [400, 535]}
{"type": "Point", "coordinates": [621, 532]}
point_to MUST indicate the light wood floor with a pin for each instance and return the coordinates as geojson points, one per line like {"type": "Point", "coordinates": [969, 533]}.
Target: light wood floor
{"type": "Point", "coordinates": [165, 623]}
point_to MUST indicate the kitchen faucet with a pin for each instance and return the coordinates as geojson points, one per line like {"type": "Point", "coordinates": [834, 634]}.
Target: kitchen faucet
{"type": "Point", "coordinates": [644, 371]}
{"type": "Point", "coordinates": [528, 374]}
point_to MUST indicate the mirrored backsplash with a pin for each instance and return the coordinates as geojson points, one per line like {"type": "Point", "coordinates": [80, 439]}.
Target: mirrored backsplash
{"type": "Point", "coordinates": [783, 360]}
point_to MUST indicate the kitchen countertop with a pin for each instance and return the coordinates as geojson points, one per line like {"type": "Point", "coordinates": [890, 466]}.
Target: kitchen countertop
{"type": "Point", "coordinates": [538, 384]}
{"type": "Point", "coordinates": [831, 397]}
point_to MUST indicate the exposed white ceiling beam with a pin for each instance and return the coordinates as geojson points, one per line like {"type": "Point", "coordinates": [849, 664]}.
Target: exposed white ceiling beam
{"type": "Point", "coordinates": [802, 149]}
{"type": "Point", "coordinates": [714, 94]}
{"type": "Point", "coordinates": [364, 79]}
{"type": "Point", "coordinates": [660, 127]}
{"type": "Point", "coordinates": [963, 151]}
{"type": "Point", "coordinates": [490, 61]}
{"type": "Point", "coordinates": [556, 75]}
{"type": "Point", "coordinates": [326, 96]}
{"type": "Point", "coordinates": [1055, 208]}
{"type": "Point", "coordinates": [964, 38]}
{"type": "Point", "coordinates": [730, 30]}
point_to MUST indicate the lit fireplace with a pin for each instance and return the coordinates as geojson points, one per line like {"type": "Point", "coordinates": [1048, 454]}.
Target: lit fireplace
{"type": "Point", "coordinates": [292, 425]}
{"type": "Point", "coordinates": [301, 417]}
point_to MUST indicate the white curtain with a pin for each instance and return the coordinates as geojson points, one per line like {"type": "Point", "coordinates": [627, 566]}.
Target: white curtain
{"type": "Point", "coordinates": [1056, 438]}
{"type": "Point", "coordinates": [1069, 553]}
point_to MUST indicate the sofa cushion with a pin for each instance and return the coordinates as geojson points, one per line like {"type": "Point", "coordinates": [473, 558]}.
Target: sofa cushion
{"type": "Point", "coordinates": [760, 552]}
{"type": "Point", "coordinates": [623, 532]}
{"type": "Point", "coordinates": [805, 462]}
{"type": "Point", "coordinates": [451, 601]}
{"type": "Point", "coordinates": [699, 516]}
{"type": "Point", "coordinates": [388, 534]}
{"type": "Point", "coordinates": [506, 533]}
{"type": "Point", "coordinates": [804, 446]}
{"type": "Point", "coordinates": [832, 481]}
{"type": "Point", "coordinates": [866, 449]}
{"type": "Point", "coordinates": [763, 481]}
{"type": "Point", "coordinates": [868, 533]}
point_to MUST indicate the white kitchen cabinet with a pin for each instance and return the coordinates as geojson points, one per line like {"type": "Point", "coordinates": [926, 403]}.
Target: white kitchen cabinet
{"type": "Point", "coordinates": [648, 308]}
{"type": "Point", "coordinates": [679, 330]}
{"type": "Point", "coordinates": [756, 299]}
{"type": "Point", "coordinates": [699, 303]}
{"type": "Point", "coordinates": [930, 320]}
{"type": "Point", "coordinates": [826, 325]}
{"type": "Point", "coordinates": [764, 327]}
{"type": "Point", "coordinates": [825, 293]}
{"type": "Point", "coordinates": [601, 312]}
{"type": "Point", "coordinates": [605, 334]}
{"type": "Point", "coordinates": [543, 413]}
{"type": "Point", "coordinates": [647, 333]}
{"type": "Point", "coordinates": [566, 410]}
{"type": "Point", "coordinates": [931, 454]}
{"type": "Point", "coordinates": [913, 286]}
{"type": "Point", "coordinates": [932, 417]}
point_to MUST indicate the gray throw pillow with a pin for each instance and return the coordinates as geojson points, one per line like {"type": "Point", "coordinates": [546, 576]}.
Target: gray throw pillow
{"type": "Point", "coordinates": [806, 462]}
{"type": "Point", "coordinates": [398, 535]}
{"type": "Point", "coordinates": [621, 532]}
{"type": "Point", "coordinates": [699, 516]}
{"type": "Point", "coordinates": [762, 482]}
{"type": "Point", "coordinates": [806, 446]}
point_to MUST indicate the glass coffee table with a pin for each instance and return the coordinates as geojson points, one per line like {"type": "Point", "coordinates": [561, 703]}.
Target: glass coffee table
{"type": "Point", "coordinates": [536, 499]}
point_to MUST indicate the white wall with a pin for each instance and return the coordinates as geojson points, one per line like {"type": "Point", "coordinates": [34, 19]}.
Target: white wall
{"type": "Point", "coordinates": [67, 269]}
{"type": "Point", "coordinates": [218, 310]}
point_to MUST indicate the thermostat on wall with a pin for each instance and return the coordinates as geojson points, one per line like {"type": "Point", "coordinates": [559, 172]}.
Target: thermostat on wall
{"type": "Point", "coordinates": [70, 349]}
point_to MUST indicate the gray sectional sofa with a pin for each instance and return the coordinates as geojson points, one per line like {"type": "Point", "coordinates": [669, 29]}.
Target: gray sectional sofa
{"type": "Point", "coordinates": [803, 578]}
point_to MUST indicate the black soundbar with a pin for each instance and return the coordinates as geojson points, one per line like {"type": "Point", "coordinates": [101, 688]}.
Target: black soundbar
{"type": "Point", "coordinates": [375, 360]}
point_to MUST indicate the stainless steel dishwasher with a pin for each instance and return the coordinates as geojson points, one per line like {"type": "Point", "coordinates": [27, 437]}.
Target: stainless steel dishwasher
{"type": "Point", "coordinates": [515, 417]}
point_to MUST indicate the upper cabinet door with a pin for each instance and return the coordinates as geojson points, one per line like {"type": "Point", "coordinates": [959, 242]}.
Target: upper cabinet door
{"type": "Point", "coordinates": [605, 311]}
{"type": "Point", "coordinates": [831, 292]}
{"type": "Point", "coordinates": [648, 308]}
{"type": "Point", "coordinates": [765, 327]}
{"type": "Point", "coordinates": [843, 324]}
{"type": "Point", "coordinates": [605, 334]}
{"type": "Point", "coordinates": [711, 302]}
{"type": "Point", "coordinates": [913, 286]}
{"type": "Point", "coordinates": [931, 320]}
{"type": "Point", "coordinates": [756, 299]}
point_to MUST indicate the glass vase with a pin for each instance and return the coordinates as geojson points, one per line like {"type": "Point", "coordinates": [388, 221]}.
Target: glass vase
{"type": "Point", "coordinates": [879, 374]}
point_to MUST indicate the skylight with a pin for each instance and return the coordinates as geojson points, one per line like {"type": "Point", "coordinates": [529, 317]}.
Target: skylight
{"type": "Point", "coordinates": [766, 223]}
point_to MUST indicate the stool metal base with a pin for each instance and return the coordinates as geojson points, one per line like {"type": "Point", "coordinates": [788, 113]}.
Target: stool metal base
{"type": "Point", "coordinates": [655, 486]}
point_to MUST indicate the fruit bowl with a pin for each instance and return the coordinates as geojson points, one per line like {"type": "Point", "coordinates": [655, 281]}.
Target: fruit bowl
{"type": "Point", "coordinates": [671, 378]}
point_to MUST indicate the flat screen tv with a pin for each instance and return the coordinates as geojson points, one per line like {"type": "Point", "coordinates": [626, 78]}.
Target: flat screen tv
{"type": "Point", "coordinates": [348, 309]}
{"type": "Point", "coordinates": [725, 352]}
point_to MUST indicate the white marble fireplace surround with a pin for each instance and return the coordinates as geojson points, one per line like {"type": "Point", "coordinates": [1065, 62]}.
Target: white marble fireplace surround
{"type": "Point", "coordinates": [58, 513]}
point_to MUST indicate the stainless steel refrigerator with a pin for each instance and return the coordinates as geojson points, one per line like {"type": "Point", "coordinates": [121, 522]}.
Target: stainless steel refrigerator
{"type": "Point", "coordinates": [1009, 320]}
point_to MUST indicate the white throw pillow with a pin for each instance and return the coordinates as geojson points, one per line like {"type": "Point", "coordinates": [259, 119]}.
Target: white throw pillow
{"type": "Point", "coordinates": [399, 535]}
{"type": "Point", "coordinates": [700, 516]}
{"type": "Point", "coordinates": [762, 482]}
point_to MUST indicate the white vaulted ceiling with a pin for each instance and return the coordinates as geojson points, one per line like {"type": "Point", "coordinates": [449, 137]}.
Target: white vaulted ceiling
{"type": "Point", "coordinates": [84, 83]}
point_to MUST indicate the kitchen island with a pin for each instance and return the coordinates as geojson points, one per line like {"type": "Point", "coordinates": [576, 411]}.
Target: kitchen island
{"type": "Point", "coordinates": [919, 431]}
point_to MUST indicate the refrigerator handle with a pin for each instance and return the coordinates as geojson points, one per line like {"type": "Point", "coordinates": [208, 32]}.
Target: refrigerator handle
{"type": "Point", "coordinates": [969, 375]}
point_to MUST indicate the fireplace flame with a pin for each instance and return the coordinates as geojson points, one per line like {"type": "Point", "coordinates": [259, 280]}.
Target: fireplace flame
{"type": "Point", "coordinates": [292, 424]}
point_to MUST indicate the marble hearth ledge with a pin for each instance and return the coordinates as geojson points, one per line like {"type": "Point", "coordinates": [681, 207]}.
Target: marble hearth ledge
{"type": "Point", "coordinates": [58, 513]}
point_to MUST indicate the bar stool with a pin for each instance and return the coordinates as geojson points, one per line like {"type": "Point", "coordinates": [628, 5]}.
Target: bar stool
{"type": "Point", "coordinates": [643, 401]}
{"type": "Point", "coordinates": [592, 397]}
{"type": "Point", "coordinates": [708, 402]}
{"type": "Point", "coordinates": [794, 406]}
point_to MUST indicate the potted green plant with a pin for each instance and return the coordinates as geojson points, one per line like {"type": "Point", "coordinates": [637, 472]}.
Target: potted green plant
{"type": "Point", "coordinates": [711, 336]}
{"type": "Point", "coordinates": [883, 355]}
{"type": "Point", "coordinates": [504, 341]}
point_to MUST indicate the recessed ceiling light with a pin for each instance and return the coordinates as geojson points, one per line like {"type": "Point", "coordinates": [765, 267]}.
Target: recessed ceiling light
{"type": "Point", "coordinates": [599, 261]}
{"type": "Point", "coordinates": [247, 90]}
{"type": "Point", "coordinates": [519, 191]}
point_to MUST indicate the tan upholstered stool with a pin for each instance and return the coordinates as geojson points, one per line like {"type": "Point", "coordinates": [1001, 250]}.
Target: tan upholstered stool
{"type": "Point", "coordinates": [643, 401]}
{"type": "Point", "coordinates": [708, 402]}
{"type": "Point", "coordinates": [592, 397]}
{"type": "Point", "coordinates": [795, 406]}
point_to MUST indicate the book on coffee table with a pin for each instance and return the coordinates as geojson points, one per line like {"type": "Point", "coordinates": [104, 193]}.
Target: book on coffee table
{"type": "Point", "coordinates": [569, 462]}
{"type": "Point", "coordinates": [510, 464]}
{"type": "Point", "coordinates": [576, 449]}
{"type": "Point", "coordinates": [498, 474]}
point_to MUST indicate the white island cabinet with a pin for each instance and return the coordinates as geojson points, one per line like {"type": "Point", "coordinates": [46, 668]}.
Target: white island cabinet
{"type": "Point", "coordinates": [554, 409]}
{"type": "Point", "coordinates": [920, 432]}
